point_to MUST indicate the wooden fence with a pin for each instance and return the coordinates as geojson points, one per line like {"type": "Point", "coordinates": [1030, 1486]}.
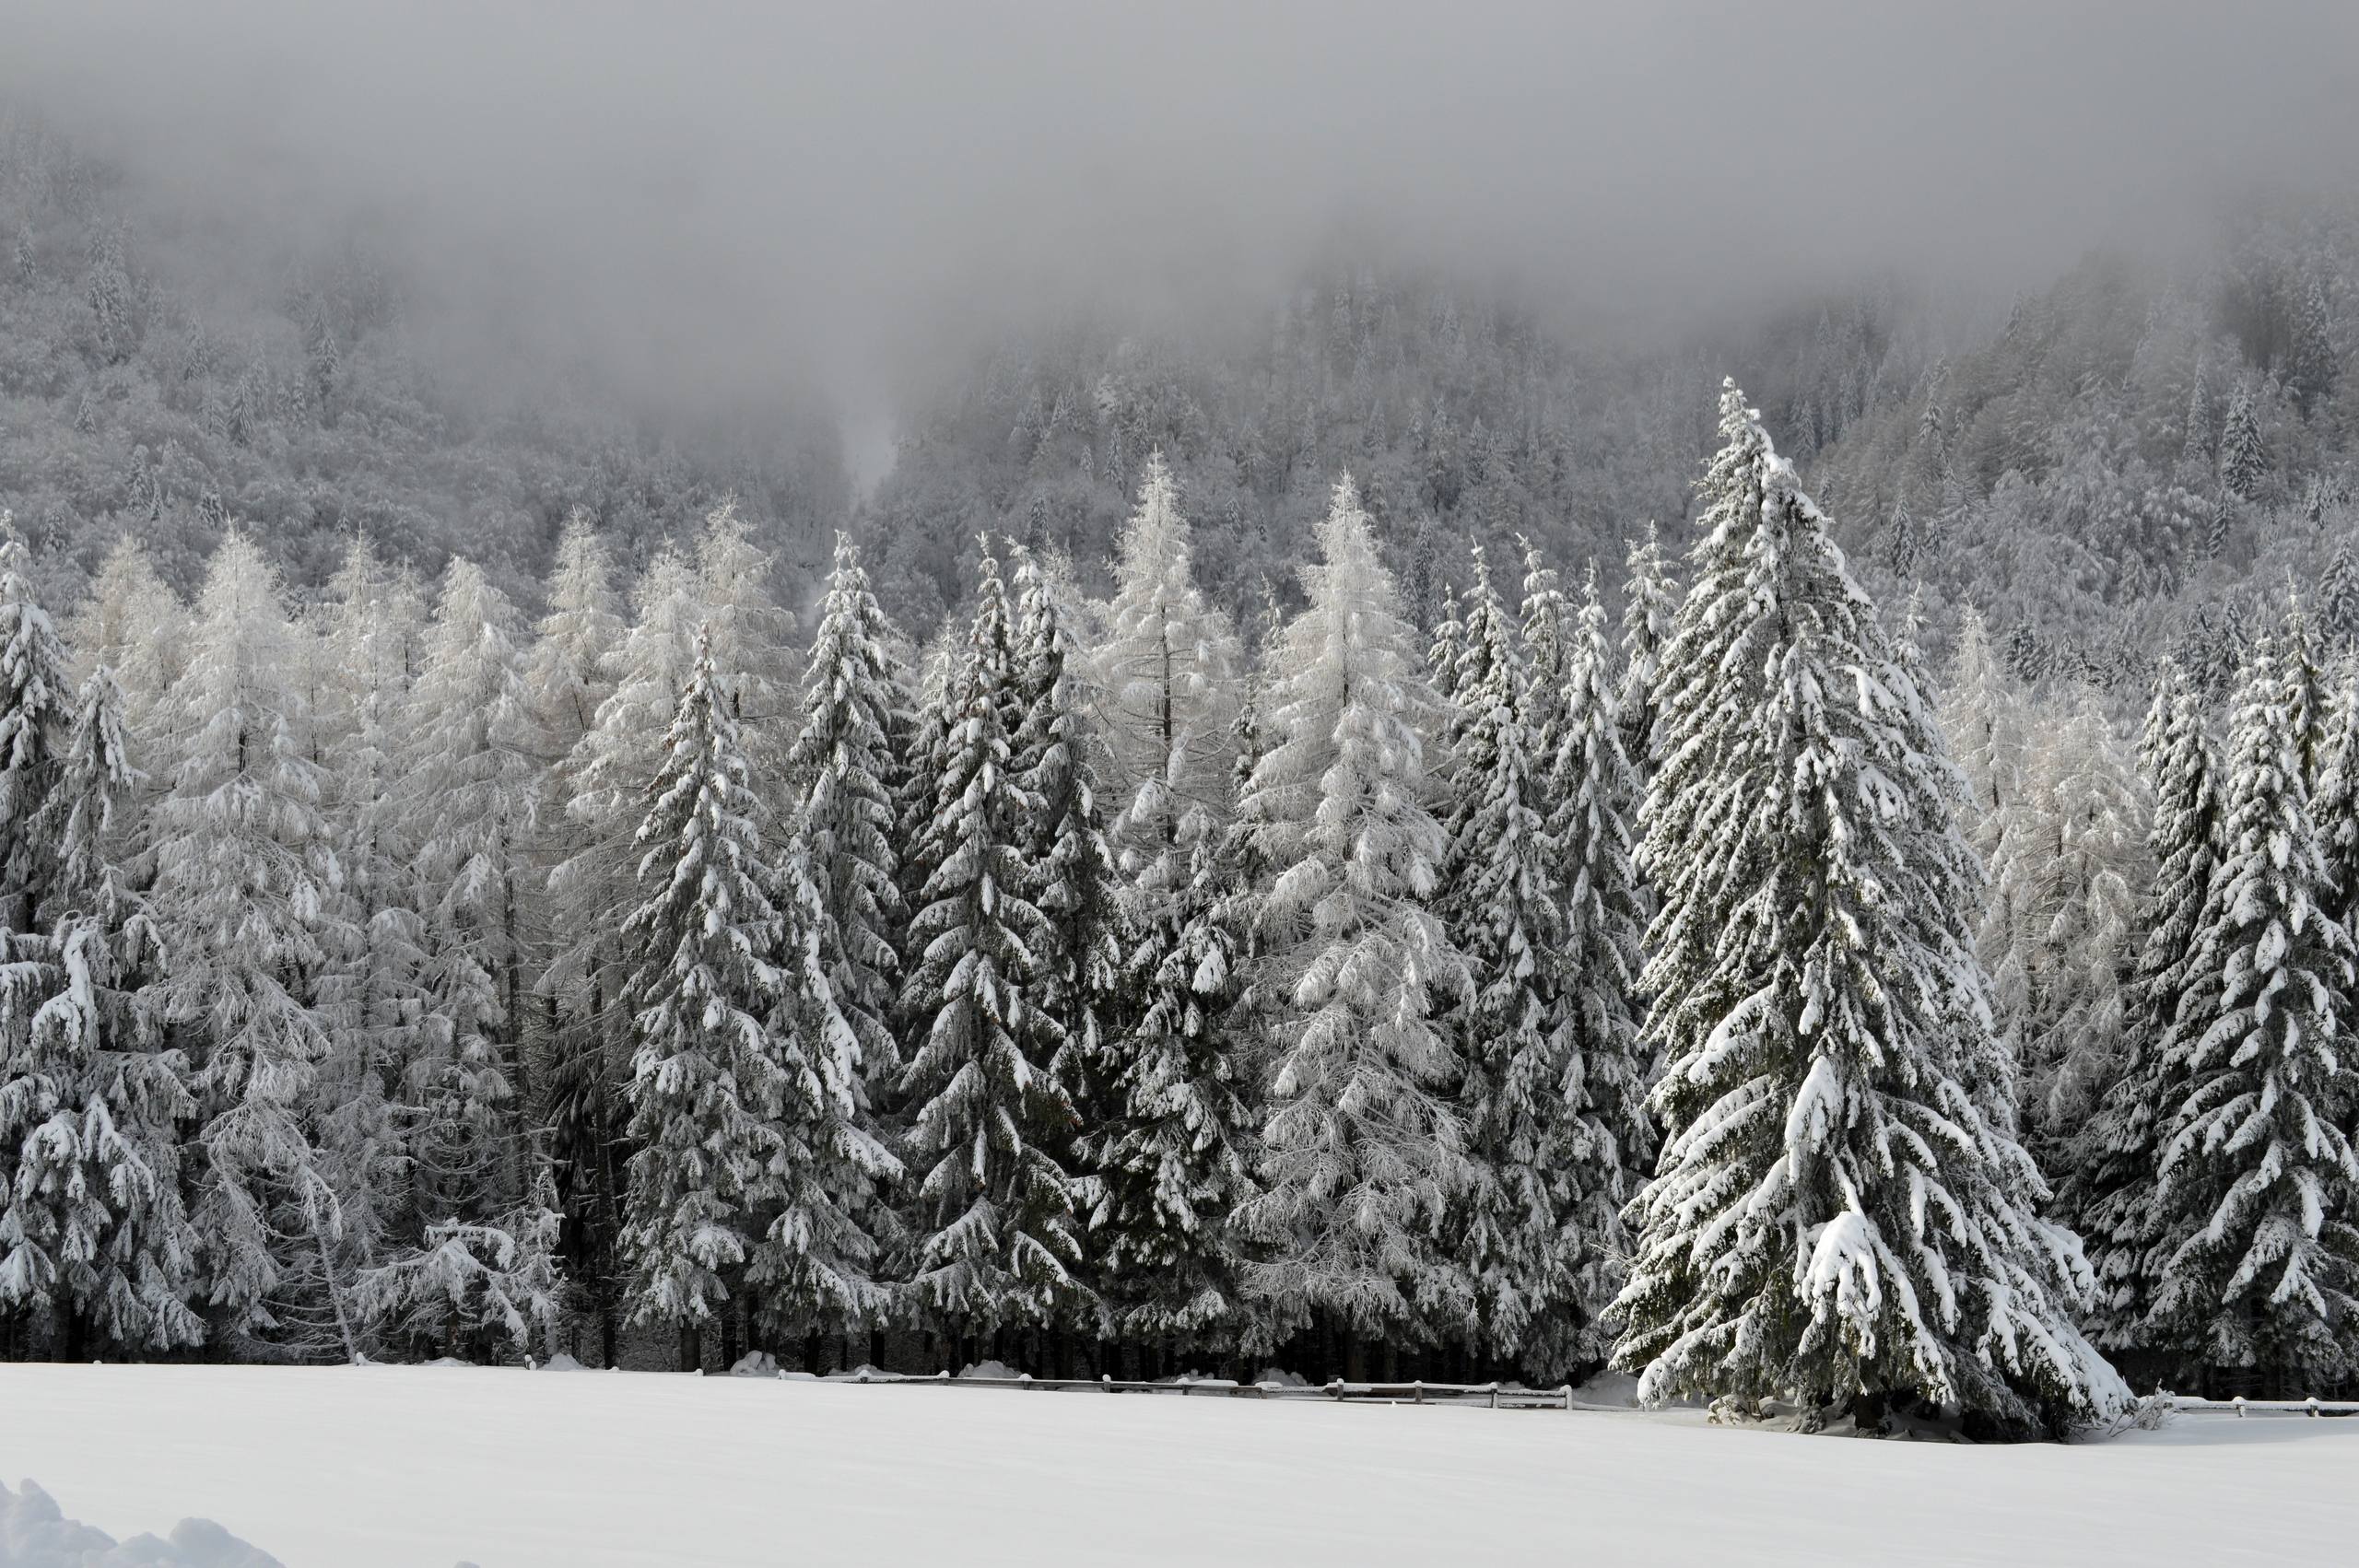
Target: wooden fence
{"type": "Point", "coordinates": [1488, 1396]}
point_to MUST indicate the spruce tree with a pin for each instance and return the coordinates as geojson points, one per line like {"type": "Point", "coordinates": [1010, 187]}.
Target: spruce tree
{"type": "Point", "coordinates": [996, 1237]}
{"type": "Point", "coordinates": [94, 1104]}
{"type": "Point", "coordinates": [1609, 1146]}
{"type": "Point", "coordinates": [1073, 881]}
{"type": "Point", "coordinates": [2108, 1193]}
{"type": "Point", "coordinates": [2259, 1255]}
{"type": "Point", "coordinates": [751, 1173]}
{"type": "Point", "coordinates": [2338, 603]}
{"type": "Point", "coordinates": [1834, 1218]}
{"type": "Point", "coordinates": [844, 768]}
{"type": "Point", "coordinates": [2244, 457]}
{"type": "Point", "coordinates": [1362, 1149]}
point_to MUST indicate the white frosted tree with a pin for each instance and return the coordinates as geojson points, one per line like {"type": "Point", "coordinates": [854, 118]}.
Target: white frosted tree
{"type": "Point", "coordinates": [245, 904]}
{"type": "Point", "coordinates": [2082, 865]}
{"type": "Point", "coordinates": [1166, 679]}
{"type": "Point", "coordinates": [570, 673]}
{"type": "Point", "coordinates": [2258, 1262]}
{"type": "Point", "coordinates": [752, 1176]}
{"type": "Point", "coordinates": [133, 624]}
{"type": "Point", "coordinates": [466, 806]}
{"type": "Point", "coordinates": [1834, 1218]}
{"type": "Point", "coordinates": [371, 630]}
{"type": "Point", "coordinates": [996, 1238]}
{"type": "Point", "coordinates": [754, 637]}
{"type": "Point", "coordinates": [1362, 1149]}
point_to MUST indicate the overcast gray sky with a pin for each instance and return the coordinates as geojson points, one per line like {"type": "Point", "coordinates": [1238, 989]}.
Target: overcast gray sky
{"type": "Point", "coordinates": [730, 182]}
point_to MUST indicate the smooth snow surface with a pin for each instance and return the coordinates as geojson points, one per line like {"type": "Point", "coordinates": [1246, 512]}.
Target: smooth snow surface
{"type": "Point", "coordinates": [413, 1467]}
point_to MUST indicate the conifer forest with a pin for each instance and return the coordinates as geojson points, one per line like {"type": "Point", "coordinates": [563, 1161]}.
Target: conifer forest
{"type": "Point", "coordinates": [1805, 853]}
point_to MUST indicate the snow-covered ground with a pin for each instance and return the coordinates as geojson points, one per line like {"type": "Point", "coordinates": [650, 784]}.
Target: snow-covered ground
{"type": "Point", "coordinates": [425, 1467]}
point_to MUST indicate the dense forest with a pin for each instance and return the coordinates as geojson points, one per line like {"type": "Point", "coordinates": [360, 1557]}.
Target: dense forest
{"type": "Point", "coordinates": [1403, 834]}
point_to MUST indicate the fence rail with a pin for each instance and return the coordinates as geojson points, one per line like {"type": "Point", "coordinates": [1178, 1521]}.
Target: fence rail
{"type": "Point", "coordinates": [2188, 1404]}
{"type": "Point", "coordinates": [1490, 1396]}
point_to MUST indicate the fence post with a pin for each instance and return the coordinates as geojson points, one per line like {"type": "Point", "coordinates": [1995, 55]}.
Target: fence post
{"type": "Point", "coordinates": [1335, 1386]}
{"type": "Point", "coordinates": [1568, 1397]}
{"type": "Point", "coordinates": [1416, 1390]}
{"type": "Point", "coordinates": [2313, 1402]}
{"type": "Point", "coordinates": [2240, 1407]}
{"type": "Point", "coordinates": [1494, 1393]}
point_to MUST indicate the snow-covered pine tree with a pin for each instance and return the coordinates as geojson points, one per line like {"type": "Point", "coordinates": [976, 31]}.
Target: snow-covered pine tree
{"type": "Point", "coordinates": [244, 901]}
{"type": "Point", "coordinates": [1834, 1217]}
{"type": "Point", "coordinates": [2258, 1265]}
{"type": "Point", "coordinates": [35, 695]}
{"type": "Point", "coordinates": [1073, 881]}
{"type": "Point", "coordinates": [1595, 791]}
{"type": "Point", "coordinates": [1173, 1144]}
{"type": "Point", "coordinates": [1651, 610]}
{"type": "Point", "coordinates": [752, 1174]}
{"type": "Point", "coordinates": [1362, 1149]}
{"type": "Point", "coordinates": [844, 769]}
{"type": "Point", "coordinates": [2334, 807]}
{"type": "Point", "coordinates": [996, 1238]}
{"type": "Point", "coordinates": [465, 802]}
{"type": "Point", "coordinates": [1499, 900]}
{"type": "Point", "coordinates": [2109, 1192]}
{"type": "Point", "coordinates": [93, 1103]}
{"type": "Point", "coordinates": [2244, 457]}
{"type": "Point", "coordinates": [2338, 603]}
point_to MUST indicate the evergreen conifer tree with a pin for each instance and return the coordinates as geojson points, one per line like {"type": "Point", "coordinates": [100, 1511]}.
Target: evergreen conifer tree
{"type": "Point", "coordinates": [1362, 1149]}
{"type": "Point", "coordinates": [996, 1237]}
{"type": "Point", "coordinates": [2258, 1251]}
{"type": "Point", "coordinates": [1834, 1217]}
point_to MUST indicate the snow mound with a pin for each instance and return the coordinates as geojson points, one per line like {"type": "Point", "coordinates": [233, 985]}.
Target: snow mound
{"type": "Point", "coordinates": [562, 1362]}
{"type": "Point", "coordinates": [755, 1364]}
{"type": "Point", "coordinates": [864, 1370]}
{"type": "Point", "coordinates": [35, 1533]}
{"type": "Point", "coordinates": [1282, 1377]}
{"type": "Point", "coordinates": [447, 1360]}
{"type": "Point", "coordinates": [987, 1369]}
{"type": "Point", "coordinates": [1608, 1388]}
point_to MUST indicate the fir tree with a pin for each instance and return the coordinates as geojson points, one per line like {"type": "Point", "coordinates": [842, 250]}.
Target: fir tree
{"type": "Point", "coordinates": [1835, 1216]}
{"type": "Point", "coordinates": [751, 1173]}
{"type": "Point", "coordinates": [1073, 881]}
{"type": "Point", "coordinates": [2338, 602]}
{"type": "Point", "coordinates": [996, 1238]}
{"type": "Point", "coordinates": [844, 768]}
{"type": "Point", "coordinates": [1609, 1145]}
{"type": "Point", "coordinates": [93, 1103]}
{"type": "Point", "coordinates": [2259, 1253]}
{"type": "Point", "coordinates": [2244, 458]}
{"type": "Point", "coordinates": [1362, 1149]}
{"type": "Point", "coordinates": [2108, 1193]}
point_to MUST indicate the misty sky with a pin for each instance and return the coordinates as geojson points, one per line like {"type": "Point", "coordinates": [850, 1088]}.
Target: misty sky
{"type": "Point", "coordinates": [717, 186]}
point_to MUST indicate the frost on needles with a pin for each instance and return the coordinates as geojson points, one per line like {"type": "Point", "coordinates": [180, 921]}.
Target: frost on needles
{"type": "Point", "coordinates": [1837, 1217]}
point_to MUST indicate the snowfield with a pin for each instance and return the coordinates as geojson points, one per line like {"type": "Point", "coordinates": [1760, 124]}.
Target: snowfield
{"type": "Point", "coordinates": [427, 1467]}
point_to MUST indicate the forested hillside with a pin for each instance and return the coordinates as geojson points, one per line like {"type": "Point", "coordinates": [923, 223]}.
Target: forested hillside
{"type": "Point", "coordinates": [165, 371]}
